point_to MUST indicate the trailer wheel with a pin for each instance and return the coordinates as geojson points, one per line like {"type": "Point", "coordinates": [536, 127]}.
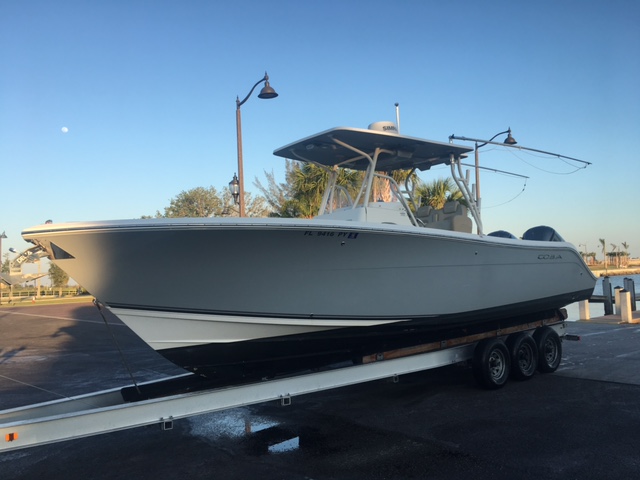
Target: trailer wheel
{"type": "Point", "coordinates": [491, 363]}
{"type": "Point", "coordinates": [524, 355]}
{"type": "Point", "coordinates": [549, 349]}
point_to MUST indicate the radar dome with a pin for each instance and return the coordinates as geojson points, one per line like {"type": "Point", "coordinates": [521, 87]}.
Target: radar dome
{"type": "Point", "coordinates": [387, 127]}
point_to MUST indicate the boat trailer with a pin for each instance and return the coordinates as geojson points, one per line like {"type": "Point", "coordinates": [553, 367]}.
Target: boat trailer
{"type": "Point", "coordinates": [496, 354]}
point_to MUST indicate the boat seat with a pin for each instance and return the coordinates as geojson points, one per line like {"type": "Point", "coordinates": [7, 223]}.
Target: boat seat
{"type": "Point", "coordinates": [424, 213]}
{"type": "Point", "coordinates": [451, 207]}
{"type": "Point", "coordinates": [453, 216]}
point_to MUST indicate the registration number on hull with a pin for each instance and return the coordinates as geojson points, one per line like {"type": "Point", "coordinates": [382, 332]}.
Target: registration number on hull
{"type": "Point", "coordinates": [330, 233]}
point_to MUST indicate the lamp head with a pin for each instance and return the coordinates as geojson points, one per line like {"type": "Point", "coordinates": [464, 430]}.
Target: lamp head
{"type": "Point", "coordinates": [267, 91]}
{"type": "Point", "coordinates": [510, 140]}
{"type": "Point", "coordinates": [234, 186]}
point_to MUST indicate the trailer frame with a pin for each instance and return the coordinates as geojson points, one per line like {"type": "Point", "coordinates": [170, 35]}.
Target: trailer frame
{"type": "Point", "coordinates": [106, 411]}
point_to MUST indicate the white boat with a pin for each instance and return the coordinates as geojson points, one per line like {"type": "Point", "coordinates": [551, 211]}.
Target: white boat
{"type": "Point", "coordinates": [256, 296]}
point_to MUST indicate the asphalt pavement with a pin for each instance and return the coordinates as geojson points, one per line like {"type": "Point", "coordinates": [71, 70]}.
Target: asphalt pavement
{"type": "Point", "coordinates": [581, 422]}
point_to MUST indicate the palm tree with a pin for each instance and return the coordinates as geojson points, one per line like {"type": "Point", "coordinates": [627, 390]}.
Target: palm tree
{"type": "Point", "coordinates": [301, 193]}
{"type": "Point", "coordinates": [615, 254]}
{"type": "Point", "coordinates": [381, 188]}
{"type": "Point", "coordinates": [604, 252]}
{"type": "Point", "coordinates": [438, 192]}
{"type": "Point", "coordinates": [309, 183]}
{"type": "Point", "coordinates": [625, 245]}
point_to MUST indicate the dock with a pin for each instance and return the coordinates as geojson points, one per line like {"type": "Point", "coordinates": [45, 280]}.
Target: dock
{"type": "Point", "coordinates": [615, 319]}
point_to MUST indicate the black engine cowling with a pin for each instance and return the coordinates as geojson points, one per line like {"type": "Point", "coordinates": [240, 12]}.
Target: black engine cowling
{"type": "Point", "coordinates": [542, 234]}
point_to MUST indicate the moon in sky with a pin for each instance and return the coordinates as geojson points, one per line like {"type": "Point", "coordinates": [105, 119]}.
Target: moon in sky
{"type": "Point", "coordinates": [64, 129]}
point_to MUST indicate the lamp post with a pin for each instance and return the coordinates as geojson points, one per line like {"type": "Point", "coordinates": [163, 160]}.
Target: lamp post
{"type": "Point", "coordinates": [266, 93]}
{"type": "Point", "coordinates": [508, 141]}
{"type": "Point", "coordinates": [481, 143]}
{"type": "Point", "coordinates": [4, 235]}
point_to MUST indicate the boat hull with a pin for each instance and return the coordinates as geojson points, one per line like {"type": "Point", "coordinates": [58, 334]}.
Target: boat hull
{"type": "Point", "coordinates": [233, 292]}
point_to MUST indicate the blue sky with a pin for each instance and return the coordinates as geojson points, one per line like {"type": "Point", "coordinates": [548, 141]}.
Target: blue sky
{"type": "Point", "coordinates": [147, 91]}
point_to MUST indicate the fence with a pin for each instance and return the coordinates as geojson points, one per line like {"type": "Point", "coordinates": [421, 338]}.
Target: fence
{"type": "Point", "coordinates": [45, 292]}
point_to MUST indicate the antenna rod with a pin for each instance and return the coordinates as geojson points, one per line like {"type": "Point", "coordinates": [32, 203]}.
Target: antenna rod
{"type": "Point", "coordinates": [398, 116]}
{"type": "Point", "coordinates": [495, 170]}
{"type": "Point", "coordinates": [452, 137]}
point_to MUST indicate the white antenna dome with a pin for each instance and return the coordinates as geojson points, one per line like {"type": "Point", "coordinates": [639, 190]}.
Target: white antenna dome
{"type": "Point", "coordinates": [387, 127]}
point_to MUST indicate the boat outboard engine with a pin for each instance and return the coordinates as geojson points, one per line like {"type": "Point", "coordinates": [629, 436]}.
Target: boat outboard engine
{"type": "Point", "coordinates": [542, 234]}
{"type": "Point", "coordinates": [502, 234]}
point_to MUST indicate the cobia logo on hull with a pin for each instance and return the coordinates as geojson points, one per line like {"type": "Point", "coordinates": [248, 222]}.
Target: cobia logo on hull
{"type": "Point", "coordinates": [549, 256]}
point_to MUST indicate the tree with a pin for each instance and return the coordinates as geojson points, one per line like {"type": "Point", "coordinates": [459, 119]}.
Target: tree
{"type": "Point", "coordinates": [59, 277]}
{"type": "Point", "coordinates": [197, 202]}
{"type": "Point", "coordinates": [438, 192]}
{"type": "Point", "coordinates": [625, 254]}
{"type": "Point", "coordinates": [301, 195]}
{"type": "Point", "coordinates": [275, 193]}
{"type": "Point", "coordinates": [381, 188]}
{"type": "Point", "coordinates": [279, 196]}
{"type": "Point", "coordinates": [309, 183]}
{"type": "Point", "coordinates": [603, 243]}
{"type": "Point", "coordinates": [207, 202]}
{"type": "Point", "coordinates": [616, 254]}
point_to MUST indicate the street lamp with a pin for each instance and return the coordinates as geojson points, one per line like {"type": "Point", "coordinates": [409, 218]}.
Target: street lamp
{"type": "Point", "coordinates": [508, 141]}
{"type": "Point", "coordinates": [481, 143]}
{"type": "Point", "coordinates": [266, 93]}
{"type": "Point", "coordinates": [234, 187]}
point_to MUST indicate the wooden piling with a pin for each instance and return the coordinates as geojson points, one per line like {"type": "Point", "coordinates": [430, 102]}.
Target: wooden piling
{"type": "Point", "coordinates": [606, 292]}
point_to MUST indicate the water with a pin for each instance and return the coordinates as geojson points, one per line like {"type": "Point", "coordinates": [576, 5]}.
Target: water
{"type": "Point", "coordinates": [597, 309]}
{"type": "Point", "coordinates": [260, 433]}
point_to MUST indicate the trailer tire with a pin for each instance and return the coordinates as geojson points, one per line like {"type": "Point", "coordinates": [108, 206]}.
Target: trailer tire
{"type": "Point", "coordinates": [549, 349]}
{"type": "Point", "coordinates": [524, 355]}
{"type": "Point", "coordinates": [491, 363]}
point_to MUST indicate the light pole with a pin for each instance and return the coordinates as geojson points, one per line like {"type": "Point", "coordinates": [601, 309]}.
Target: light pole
{"type": "Point", "coordinates": [266, 92]}
{"type": "Point", "coordinates": [4, 235]}
{"type": "Point", "coordinates": [508, 141]}
{"type": "Point", "coordinates": [481, 143]}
